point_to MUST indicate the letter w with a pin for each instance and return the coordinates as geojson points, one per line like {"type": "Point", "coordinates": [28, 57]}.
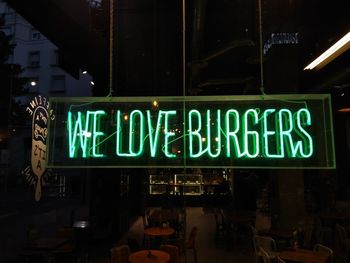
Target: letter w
{"type": "Point", "coordinates": [78, 131]}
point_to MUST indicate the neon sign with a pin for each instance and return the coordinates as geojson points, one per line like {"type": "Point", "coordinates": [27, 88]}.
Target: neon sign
{"type": "Point", "coordinates": [293, 131]}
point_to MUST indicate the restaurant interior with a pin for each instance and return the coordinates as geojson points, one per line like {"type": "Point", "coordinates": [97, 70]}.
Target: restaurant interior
{"type": "Point", "coordinates": [179, 214]}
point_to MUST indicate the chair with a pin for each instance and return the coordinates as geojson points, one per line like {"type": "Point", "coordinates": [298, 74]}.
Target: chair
{"type": "Point", "coordinates": [342, 242]}
{"type": "Point", "coordinates": [181, 225]}
{"type": "Point", "coordinates": [268, 244]}
{"type": "Point", "coordinates": [254, 232]}
{"type": "Point", "coordinates": [191, 243]}
{"type": "Point", "coordinates": [220, 226]}
{"type": "Point", "coordinates": [265, 256]}
{"type": "Point", "coordinates": [307, 232]}
{"type": "Point", "coordinates": [120, 254]}
{"type": "Point", "coordinates": [322, 233]}
{"type": "Point", "coordinates": [322, 248]}
{"type": "Point", "coordinates": [146, 224]}
{"type": "Point", "coordinates": [145, 218]}
{"type": "Point", "coordinates": [173, 251]}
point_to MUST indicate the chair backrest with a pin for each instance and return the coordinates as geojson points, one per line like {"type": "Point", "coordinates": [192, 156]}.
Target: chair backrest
{"type": "Point", "coordinates": [216, 218]}
{"type": "Point", "coordinates": [253, 230]}
{"type": "Point", "coordinates": [318, 233]}
{"type": "Point", "coordinates": [219, 219]}
{"type": "Point", "coordinates": [120, 254]}
{"type": "Point", "coordinates": [222, 217]}
{"type": "Point", "coordinates": [145, 218]}
{"type": "Point", "coordinates": [253, 233]}
{"type": "Point", "coordinates": [341, 232]}
{"type": "Point", "coordinates": [322, 248]}
{"type": "Point", "coordinates": [192, 238]}
{"type": "Point", "coordinates": [266, 243]}
{"type": "Point", "coordinates": [265, 256]}
{"type": "Point", "coordinates": [173, 251]}
{"type": "Point", "coordinates": [307, 235]}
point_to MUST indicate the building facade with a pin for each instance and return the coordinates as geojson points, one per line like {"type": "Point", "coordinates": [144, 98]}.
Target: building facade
{"type": "Point", "coordinates": [38, 59]}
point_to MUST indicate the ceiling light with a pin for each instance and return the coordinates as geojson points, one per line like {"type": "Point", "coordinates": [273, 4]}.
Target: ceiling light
{"type": "Point", "coordinates": [330, 54]}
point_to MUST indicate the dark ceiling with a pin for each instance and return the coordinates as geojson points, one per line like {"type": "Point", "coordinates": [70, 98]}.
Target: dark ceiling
{"type": "Point", "coordinates": [222, 44]}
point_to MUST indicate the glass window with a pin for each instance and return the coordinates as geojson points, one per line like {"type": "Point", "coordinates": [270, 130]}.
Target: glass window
{"type": "Point", "coordinates": [34, 59]}
{"type": "Point", "coordinates": [8, 30]}
{"type": "Point", "coordinates": [10, 17]}
{"type": "Point", "coordinates": [35, 34]}
{"type": "Point", "coordinates": [55, 58]}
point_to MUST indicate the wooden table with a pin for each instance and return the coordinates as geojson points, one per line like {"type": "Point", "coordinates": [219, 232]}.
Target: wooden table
{"type": "Point", "coordinates": [156, 235]}
{"type": "Point", "coordinates": [303, 256]}
{"type": "Point", "coordinates": [144, 256]}
{"type": "Point", "coordinates": [159, 231]}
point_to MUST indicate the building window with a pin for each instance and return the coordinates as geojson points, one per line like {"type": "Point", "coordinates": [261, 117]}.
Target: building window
{"type": "Point", "coordinates": [34, 59]}
{"type": "Point", "coordinates": [35, 34]}
{"type": "Point", "coordinates": [55, 58]}
{"type": "Point", "coordinates": [58, 84]}
{"type": "Point", "coordinates": [10, 17]}
{"type": "Point", "coordinates": [8, 30]}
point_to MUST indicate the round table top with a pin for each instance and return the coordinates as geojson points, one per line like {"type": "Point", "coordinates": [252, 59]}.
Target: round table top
{"type": "Point", "coordinates": [159, 231]}
{"type": "Point", "coordinates": [149, 256]}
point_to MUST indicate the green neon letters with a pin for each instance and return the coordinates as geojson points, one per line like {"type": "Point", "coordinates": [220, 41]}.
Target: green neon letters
{"type": "Point", "coordinates": [80, 133]}
{"type": "Point", "coordinates": [136, 132]}
{"type": "Point", "coordinates": [230, 133]}
{"type": "Point", "coordinates": [154, 133]}
{"type": "Point", "coordinates": [236, 123]}
{"type": "Point", "coordinates": [193, 133]}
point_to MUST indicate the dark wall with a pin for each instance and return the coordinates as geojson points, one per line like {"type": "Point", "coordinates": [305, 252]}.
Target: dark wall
{"type": "Point", "coordinates": [148, 57]}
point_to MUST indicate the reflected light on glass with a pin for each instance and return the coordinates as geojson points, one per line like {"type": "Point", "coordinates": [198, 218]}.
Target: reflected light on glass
{"type": "Point", "coordinates": [344, 110]}
{"type": "Point", "coordinates": [33, 83]}
{"type": "Point", "coordinates": [81, 224]}
{"type": "Point", "coordinates": [334, 51]}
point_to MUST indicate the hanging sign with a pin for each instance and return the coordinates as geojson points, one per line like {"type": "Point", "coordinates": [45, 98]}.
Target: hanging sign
{"type": "Point", "coordinates": [39, 110]}
{"type": "Point", "coordinates": [277, 131]}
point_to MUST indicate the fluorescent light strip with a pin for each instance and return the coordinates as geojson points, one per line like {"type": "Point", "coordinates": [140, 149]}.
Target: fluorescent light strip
{"type": "Point", "coordinates": [325, 57]}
